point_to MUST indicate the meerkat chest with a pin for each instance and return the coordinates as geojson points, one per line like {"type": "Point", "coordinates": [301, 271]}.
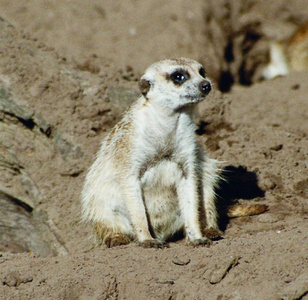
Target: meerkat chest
{"type": "Point", "coordinates": [165, 138]}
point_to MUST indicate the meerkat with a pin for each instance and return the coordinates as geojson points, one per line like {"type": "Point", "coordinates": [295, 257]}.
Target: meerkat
{"type": "Point", "coordinates": [150, 179]}
{"type": "Point", "coordinates": [289, 55]}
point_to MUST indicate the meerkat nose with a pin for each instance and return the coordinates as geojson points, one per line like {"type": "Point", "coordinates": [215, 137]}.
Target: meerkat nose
{"type": "Point", "coordinates": [205, 87]}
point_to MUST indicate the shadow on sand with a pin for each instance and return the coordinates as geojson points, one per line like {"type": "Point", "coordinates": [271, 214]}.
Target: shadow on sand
{"type": "Point", "coordinates": [238, 183]}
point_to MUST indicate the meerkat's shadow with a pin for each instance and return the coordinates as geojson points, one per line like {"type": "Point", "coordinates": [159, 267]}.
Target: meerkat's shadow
{"type": "Point", "coordinates": [237, 183]}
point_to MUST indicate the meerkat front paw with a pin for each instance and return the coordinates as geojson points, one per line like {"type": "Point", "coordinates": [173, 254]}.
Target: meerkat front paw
{"type": "Point", "coordinates": [204, 241]}
{"type": "Point", "coordinates": [154, 244]}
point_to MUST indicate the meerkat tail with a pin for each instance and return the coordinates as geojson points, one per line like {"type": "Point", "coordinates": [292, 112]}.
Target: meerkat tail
{"type": "Point", "coordinates": [246, 210]}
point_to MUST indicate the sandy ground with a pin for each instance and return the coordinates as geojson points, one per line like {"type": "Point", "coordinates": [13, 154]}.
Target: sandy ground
{"type": "Point", "coordinates": [69, 69]}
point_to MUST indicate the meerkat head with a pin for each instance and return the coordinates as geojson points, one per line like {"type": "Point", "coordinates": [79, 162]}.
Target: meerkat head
{"type": "Point", "coordinates": [175, 83]}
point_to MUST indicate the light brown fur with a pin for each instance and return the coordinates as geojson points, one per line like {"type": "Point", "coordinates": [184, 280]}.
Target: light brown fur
{"type": "Point", "coordinates": [246, 210]}
{"type": "Point", "coordinates": [109, 237]}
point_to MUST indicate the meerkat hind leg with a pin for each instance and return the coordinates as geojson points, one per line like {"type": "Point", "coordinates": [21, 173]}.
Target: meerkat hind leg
{"type": "Point", "coordinates": [110, 237]}
{"type": "Point", "coordinates": [213, 234]}
{"type": "Point", "coordinates": [210, 178]}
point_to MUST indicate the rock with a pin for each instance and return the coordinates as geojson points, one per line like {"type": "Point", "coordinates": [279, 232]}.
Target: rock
{"type": "Point", "coordinates": [268, 218]}
{"type": "Point", "coordinates": [295, 289]}
{"type": "Point", "coordinates": [222, 270]}
{"type": "Point", "coordinates": [276, 147]}
{"type": "Point", "coordinates": [181, 262]}
{"type": "Point", "coordinates": [15, 180]}
{"type": "Point", "coordinates": [22, 229]}
{"type": "Point", "coordinates": [20, 118]}
{"type": "Point", "coordinates": [9, 106]}
{"type": "Point", "coordinates": [14, 279]}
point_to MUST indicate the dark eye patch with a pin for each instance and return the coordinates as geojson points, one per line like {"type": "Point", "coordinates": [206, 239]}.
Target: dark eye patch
{"type": "Point", "coordinates": [178, 77]}
{"type": "Point", "coordinates": [202, 72]}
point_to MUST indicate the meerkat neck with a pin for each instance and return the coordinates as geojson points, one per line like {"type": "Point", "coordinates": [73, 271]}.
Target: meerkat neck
{"type": "Point", "coordinates": [165, 111]}
{"type": "Point", "coordinates": [160, 110]}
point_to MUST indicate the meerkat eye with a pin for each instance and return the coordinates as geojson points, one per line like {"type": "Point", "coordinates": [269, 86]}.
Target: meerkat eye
{"type": "Point", "coordinates": [179, 77]}
{"type": "Point", "coordinates": [202, 72]}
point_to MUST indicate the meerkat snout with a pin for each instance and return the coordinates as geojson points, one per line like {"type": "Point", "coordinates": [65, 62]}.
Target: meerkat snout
{"type": "Point", "coordinates": [205, 87]}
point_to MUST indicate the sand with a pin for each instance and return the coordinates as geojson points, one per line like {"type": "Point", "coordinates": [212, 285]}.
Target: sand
{"type": "Point", "coordinates": [68, 71]}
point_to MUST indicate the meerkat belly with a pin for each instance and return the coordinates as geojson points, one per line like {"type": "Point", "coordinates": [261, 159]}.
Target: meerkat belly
{"type": "Point", "coordinates": [159, 186]}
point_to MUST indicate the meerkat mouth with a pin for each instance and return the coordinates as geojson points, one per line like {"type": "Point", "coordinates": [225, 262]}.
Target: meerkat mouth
{"type": "Point", "coordinates": [191, 101]}
{"type": "Point", "coordinates": [194, 98]}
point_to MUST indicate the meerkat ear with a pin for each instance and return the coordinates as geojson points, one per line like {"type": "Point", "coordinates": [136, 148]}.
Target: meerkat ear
{"type": "Point", "coordinates": [144, 86]}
